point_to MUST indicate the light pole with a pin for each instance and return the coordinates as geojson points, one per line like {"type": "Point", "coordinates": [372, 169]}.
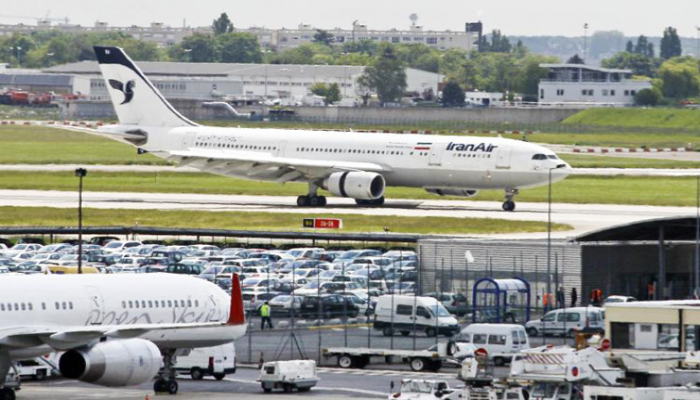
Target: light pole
{"type": "Point", "coordinates": [549, 232]}
{"type": "Point", "coordinates": [188, 52]}
{"type": "Point", "coordinates": [18, 49]}
{"type": "Point", "coordinates": [585, 38]}
{"type": "Point", "coordinates": [80, 173]}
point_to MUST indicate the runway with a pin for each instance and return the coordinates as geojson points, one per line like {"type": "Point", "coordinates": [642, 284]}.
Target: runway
{"type": "Point", "coordinates": [583, 217]}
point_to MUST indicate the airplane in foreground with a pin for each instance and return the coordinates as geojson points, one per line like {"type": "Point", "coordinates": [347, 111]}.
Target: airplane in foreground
{"type": "Point", "coordinates": [114, 330]}
{"type": "Point", "coordinates": [347, 164]}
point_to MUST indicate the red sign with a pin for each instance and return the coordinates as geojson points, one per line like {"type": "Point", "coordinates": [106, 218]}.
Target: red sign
{"type": "Point", "coordinates": [323, 223]}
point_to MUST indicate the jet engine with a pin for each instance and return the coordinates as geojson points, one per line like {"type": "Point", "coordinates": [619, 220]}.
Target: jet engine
{"type": "Point", "coordinates": [452, 192]}
{"type": "Point", "coordinates": [356, 184]}
{"type": "Point", "coordinates": [114, 363]}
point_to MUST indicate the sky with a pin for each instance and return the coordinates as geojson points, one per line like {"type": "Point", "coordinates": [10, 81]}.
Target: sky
{"type": "Point", "coordinates": [512, 17]}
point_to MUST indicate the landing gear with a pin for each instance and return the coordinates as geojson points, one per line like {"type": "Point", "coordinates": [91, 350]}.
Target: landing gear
{"type": "Point", "coordinates": [166, 378]}
{"type": "Point", "coordinates": [375, 202]}
{"type": "Point", "coordinates": [509, 204]}
{"type": "Point", "coordinates": [312, 199]}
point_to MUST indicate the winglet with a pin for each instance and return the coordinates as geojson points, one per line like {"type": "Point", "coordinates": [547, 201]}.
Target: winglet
{"type": "Point", "coordinates": [236, 315]}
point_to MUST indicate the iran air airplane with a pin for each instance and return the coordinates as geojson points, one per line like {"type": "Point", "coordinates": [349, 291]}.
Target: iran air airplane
{"type": "Point", "coordinates": [114, 330]}
{"type": "Point", "coordinates": [346, 164]}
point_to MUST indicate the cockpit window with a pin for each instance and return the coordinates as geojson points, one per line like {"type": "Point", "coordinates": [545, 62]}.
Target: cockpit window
{"type": "Point", "coordinates": [539, 157]}
{"type": "Point", "coordinates": [553, 157]}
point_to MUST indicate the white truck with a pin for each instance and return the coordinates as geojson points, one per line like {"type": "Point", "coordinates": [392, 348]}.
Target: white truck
{"type": "Point", "coordinates": [288, 375]}
{"type": "Point", "coordinates": [217, 361]}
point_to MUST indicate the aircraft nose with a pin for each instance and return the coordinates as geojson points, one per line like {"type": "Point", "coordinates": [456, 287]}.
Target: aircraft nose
{"type": "Point", "coordinates": [560, 171]}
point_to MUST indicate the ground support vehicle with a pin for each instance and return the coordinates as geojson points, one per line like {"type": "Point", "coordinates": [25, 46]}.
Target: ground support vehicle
{"type": "Point", "coordinates": [217, 361]}
{"type": "Point", "coordinates": [288, 375]}
{"type": "Point", "coordinates": [418, 360]}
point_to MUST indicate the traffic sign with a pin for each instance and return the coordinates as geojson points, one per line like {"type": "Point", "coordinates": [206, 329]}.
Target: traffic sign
{"type": "Point", "coordinates": [323, 223]}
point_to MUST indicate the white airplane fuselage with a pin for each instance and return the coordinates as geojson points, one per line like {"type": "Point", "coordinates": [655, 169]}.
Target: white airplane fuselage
{"type": "Point", "coordinates": [435, 161]}
{"type": "Point", "coordinates": [47, 303]}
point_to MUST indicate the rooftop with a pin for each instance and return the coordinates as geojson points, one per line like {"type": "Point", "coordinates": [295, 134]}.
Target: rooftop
{"type": "Point", "coordinates": [587, 67]}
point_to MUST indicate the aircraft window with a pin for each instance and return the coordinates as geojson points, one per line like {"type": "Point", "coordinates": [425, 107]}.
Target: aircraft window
{"type": "Point", "coordinates": [123, 304]}
{"type": "Point", "coordinates": [9, 306]}
{"type": "Point", "coordinates": [175, 303]}
{"type": "Point", "coordinates": [70, 305]}
{"type": "Point", "coordinates": [150, 303]}
{"type": "Point", "coordinates": [189, 303]}
{"type": "Point", "coordinates": [170, 304]}
{"type": "Point", "coordinates": [143, 303]}
{"type": "Point", "coordinates": [43, 306]}
{"type": "Point", "coordinates": [30, 307]}
{"type": "Point", "coordinates": [182, 303]}
{"type": "Point", "coordinates": [552, 157]}
{"type": "Point", "coordinates": [131, 304]}
{"type": "Point", "coordinates": [24, 307]}
{"type": "Point", "coordinates": [136, 304]}
{"type": "Point", "coordinates": [64, 305]}
{"type": "Point", "coordinates": [162, 303]}
{"type": "Point", "coordinates": [2, 307]}
{"type": "Point", "coordinates": [58, 307]}
{"type": "Point", "coordinates": [16, 307]}
{"type": "Point", "coordinates": [155, 303]}
{"type": "Point", "coordinates": [539, 157]}
{"type": "Point", "coordinates": [196, 303]}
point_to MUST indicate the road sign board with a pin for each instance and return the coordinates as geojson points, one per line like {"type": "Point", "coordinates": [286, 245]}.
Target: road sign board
{"type": "Point", "coordinates": [323, 223]}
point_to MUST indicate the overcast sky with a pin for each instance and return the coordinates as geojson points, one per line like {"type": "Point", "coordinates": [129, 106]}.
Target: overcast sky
{"type": "Point", "coordinates": [513, 17]}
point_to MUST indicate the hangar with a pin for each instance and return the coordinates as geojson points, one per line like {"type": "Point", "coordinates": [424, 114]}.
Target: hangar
{"type": "Point", "coordinates": [651, 259]}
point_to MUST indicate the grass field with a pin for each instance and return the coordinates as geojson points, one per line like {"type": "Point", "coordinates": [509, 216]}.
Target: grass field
{"type": "Point", "coordinates": [669, 191]}
{"type": "Point", "coordinates": [588, 161]}
{"type": "Point", "coordinates": [665, 118]}
{"type": "Point", "coordinates": [29, 216]}
{"type": "Point", "coordinates": [39, 145]}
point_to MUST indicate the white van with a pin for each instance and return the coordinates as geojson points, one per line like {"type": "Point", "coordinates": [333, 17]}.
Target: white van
{"type": "Point", "coordinates": [424, 314]}
{"type": "Point", "coordinates": [217, 361]}
{"type": "Point", "coordinates": [567, 321]}
{"type": "Point", "coordinates": [501, 341]}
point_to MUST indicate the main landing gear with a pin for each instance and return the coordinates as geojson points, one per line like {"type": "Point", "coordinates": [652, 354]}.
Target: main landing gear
{"type": "Point", "coordinates": [509, 204]}
{"type": "Point", "coordinates": [166, 383]}
{"type": "Point", "coordinates": [7, 394]}
{"type": "Point", "coordinates": [312, 199]}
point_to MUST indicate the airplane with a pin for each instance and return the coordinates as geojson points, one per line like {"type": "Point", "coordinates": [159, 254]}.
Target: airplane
{"type": "Point", "coordinates": [346, 164]}
{"type": "Point", "coordinates": [114, 330]}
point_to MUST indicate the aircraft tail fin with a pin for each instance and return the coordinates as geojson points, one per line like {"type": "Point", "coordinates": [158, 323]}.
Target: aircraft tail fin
{"type": "Point", "coordinates": [236, 315]}
{"type": "Point", "coordinates": [136, 100]}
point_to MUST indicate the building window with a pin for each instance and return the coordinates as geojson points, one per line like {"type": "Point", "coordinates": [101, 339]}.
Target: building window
{"type": "Point", "coordinates": [560, 92]}
{"type": "Point", "coordinates": [541, 93]}
{"type": "Point", "coordinates": [612, 92]}
{"type": "Point", "coordinates": [605, 92]}
{"type": "Point", "coordinates": [395, 39]}
{"type": "Point", "coordinates": [432, 40]}
{"type": "Point", "coordinates": [627, 92]}
{"type": "Point", "coordinates": [633, 92]}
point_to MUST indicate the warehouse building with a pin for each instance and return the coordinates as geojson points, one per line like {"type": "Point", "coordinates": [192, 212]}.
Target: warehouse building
{"type": "Point", "coordinates": [653, 259]}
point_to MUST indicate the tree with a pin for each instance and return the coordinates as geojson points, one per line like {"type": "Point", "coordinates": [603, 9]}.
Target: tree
{"type": "Point", "coordinates": [386, 76]}
{"type": "Point", "coordinates": [452, 95]}
{"type": "Point", "coordinates": [638, 63]}
{"type": "Point", "coordinates": [575, 59]}
{"type": "Point", "coordinates": [647, 97]}
{"type": "Point", "coordinates": [630, 47]}
{"type": "Point", "coordinates": [333, 94]}
{"type": "Point", "coordinates": [499, 43]}
{"type": "Point", "coordinates": [196, 48]}
{"type": "Point", "coordinates": [323, 37]}
{"type": "Point", "coordinates": [680, 78]}
{"type": "Point", "coordinates": [238, 48]}
{"type": "Point", "coordinates": [222, 25]}
{"type": "Point", "coordinates": [670, 44]}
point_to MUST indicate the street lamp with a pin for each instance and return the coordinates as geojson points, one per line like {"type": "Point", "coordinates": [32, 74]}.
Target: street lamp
{"type": "Point", "coordinates": [585, 44]}
{"type": "Point", "coordinates": [188, 51]}
{"type": "Point", "coordinates": [549, 231]}
{"type": "Point", "coordinates": [18, 49]}
{"type": "Point", "coordinates": [80, 173]}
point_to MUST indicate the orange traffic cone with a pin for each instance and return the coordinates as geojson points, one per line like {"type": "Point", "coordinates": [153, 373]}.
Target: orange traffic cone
{"type": "Point", "coordinates": [147, 397]}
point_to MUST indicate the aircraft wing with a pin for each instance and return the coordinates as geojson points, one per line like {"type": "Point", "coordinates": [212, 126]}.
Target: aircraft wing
{"type": "Point", "coordinates": [286, 168]}
{"type": "Point", "coordinates": [68, 338]}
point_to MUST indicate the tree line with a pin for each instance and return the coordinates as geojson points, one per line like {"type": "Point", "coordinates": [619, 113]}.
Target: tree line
{"type": "Point", "coordinates": [499, 66]}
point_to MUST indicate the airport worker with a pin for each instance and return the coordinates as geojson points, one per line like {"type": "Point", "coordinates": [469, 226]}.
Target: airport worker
{"type": "Point", "coordinates": [265, 314]}
{"type": "Point", "coordinates": [574, 297]}
{"type": "Point", "coordinates": [561, 301]}
{"type": "Point", "coordinates": [545, 301]}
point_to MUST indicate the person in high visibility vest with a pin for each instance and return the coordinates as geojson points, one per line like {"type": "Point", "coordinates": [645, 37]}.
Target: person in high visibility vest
{"type": "Point", "coordinates": [265, 314]}
{"type": "Point", "coordinates": [545, 300]}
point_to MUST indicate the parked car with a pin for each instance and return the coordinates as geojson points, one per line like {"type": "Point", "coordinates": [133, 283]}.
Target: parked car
{"type": "Point", "coordinates": [331, 305]}
{"type": "Point", "coordinates": [185, 269]}
{"type": "Point", "coordinates": [455, 303]}
{"type": "Point", "coordinates": [567, 321]}
{"type": "Point", "coordinates": [252, 301]}
{"type": "Point", "coordinates": [284, 304]}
